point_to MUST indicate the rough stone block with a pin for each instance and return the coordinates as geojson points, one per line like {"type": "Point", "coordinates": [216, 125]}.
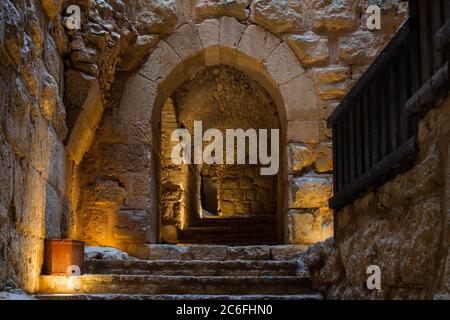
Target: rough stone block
{"type": "Point", "coordinates": [276, 16]}
{"type": "Point", "coordinates": [324, 158]}
{"type": "Point", "coordinates": [217, 8]}
{"type": "Point", "coordinates": [332, 83]}
{"type": "Point", "coordinates": [309, 192]}
{"type": "Point", "coordinates": [360, 47]}
{"type": "Point", "coordinates": [310, 48]}
{"type": "Point", "coordinates": [300, 157]}
{"type": "Point", "coordinates": [131, 226]}
{"type": "Point", "coordinates": [334, 16]}
{"type": "Point", "coordinates": [155, 16]}
{"type": "Point", "coordinates": [53, 214]}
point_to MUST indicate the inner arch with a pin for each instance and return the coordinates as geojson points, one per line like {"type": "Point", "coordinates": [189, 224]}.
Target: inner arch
{"type": "Point", "coordinates": [217, 203]}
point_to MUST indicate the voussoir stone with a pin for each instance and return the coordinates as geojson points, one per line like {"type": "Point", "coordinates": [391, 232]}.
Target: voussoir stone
{"type": "Point", "coordinates": [231, 31]}
{"type": "Point", "coordinates": [276, 16]}
{"type": "Point", "coordinates": [257, 43]}
{"type": "Point", "coordinates": [283, 65]}
{"type": "Point", "coordinates": [160, 63]}
{"type": "Point", "coordinates": [185, 41]}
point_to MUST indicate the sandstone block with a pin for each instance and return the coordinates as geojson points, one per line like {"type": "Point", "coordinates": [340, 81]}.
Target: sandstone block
{"type": "Point", "coordinates": [309, 192]}
{"type": "Point", "coordinates": [7, 163]}
{"type": "Point", "coordinates": [155, 16]}
{"type": "Point", "coordinates": [137, 51]}
{"type": "Point", "coordinates": [108, 193]}
{"type": "Point", "coordinates": [301, 227]}
{"type": "Point", "coordinates": [136, 107]}
{"type": "Point", "coordinates": [324, 157]}
{"type": "Point", "coordinates": [161, 62]}
{"type": "Point", "coordinates": [335, 15]}
{"type": "Point", "coordinates": [139, 191]}
{"type": "Point", "coordinates": [310, 48]}
{"type": "Point", "coordinates": [299, 157]}
{"type": "Point", "coordinates": [283, 65]}
{"type": "Point", "coordinates": [185, 41]}
{"type": "Point", "coordinates": [51, 7]}
{"type": "Point", "coordinates": [300, 99]}
{"type": "Point", "coordinates": [131, 226]}
{"type": "Point", "coordinates": [216, 8]}
{"type": "Point", "coordinates": [276, 16]}
{"type": "Point", "coordinates": [230, 32]}
{"type": "Point", "coordinates": [360, 47]}
{"type": "Point", "coordinates": [53, 214]}
{"type": "Point", "coordinates": [209, 32]}
{"type": "Point", "coordinates": [257, 42]}
{"type": "Point", "coordinates": [304, 131]}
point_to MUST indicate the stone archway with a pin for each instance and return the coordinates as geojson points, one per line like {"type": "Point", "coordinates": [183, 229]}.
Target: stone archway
{"type": "Point", "coordinates": [118, 203]}
{"type": "Point", "coordinates": [250, 49]}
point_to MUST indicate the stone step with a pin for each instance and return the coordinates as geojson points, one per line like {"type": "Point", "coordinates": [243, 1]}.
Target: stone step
{"type": "Point", "coordinates": [193, 267]}
{"type": "Point", "coordinates": [238, 222]}
{"type": "Point", "coordinates": [222, 252]}
{"type": "Point", "coordinates": [175, 285]}
{"type": "Point", "coordinates": [229, 235]}
{"type": "Point", "coordinates": [298, 297]}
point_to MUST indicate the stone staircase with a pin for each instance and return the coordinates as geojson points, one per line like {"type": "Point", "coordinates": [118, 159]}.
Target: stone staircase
{"type": "Point", "coordinates": [190, 273]}
{"type": "Point", "coordinates": [255, 230]}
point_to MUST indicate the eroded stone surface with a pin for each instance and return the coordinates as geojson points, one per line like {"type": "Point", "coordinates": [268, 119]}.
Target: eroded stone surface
{"type": "Point", "coordinates": [277, 16]}
{"type": "Point", "coordinates": [310, 48]}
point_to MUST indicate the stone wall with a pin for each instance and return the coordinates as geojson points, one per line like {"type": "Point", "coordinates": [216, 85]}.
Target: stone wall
{"type": "Point", "coordinates": [65, 93]}
{"type": "Point", "coordinates": [32, 130]}
{"type": "Point", "coordinates": [402, 226]}
{"type": "Point", "coordinates": [305, 54]}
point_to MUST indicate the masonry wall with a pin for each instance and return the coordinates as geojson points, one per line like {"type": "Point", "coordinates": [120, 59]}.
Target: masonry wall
{"type": "Point", "coordinates": [59, 89]}
{"type": "Point", "coordinates": [402, 227]}
{"type": "Point", "coordinates": [321, 46]}
{"type": "Point", "coordinates": [32, 131]}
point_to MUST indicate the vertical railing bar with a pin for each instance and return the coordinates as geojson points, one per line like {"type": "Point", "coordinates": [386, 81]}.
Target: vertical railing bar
{"type": "Point", "coordinates": [359, 137]}
{"type": "Point", "coordinates": [352, 142]}
{"type": "Point", "coordinates": [367, 127]}
{"type": "Point", "coordinates": [436, 24]}
{"type": "Point", "coordinates": [424, 41]}
{"type": "Point", "coordinates": [340, 155]}
{"type": "Point", "coordinates": [345, 127]}
{"type": "Point", "coordinates": [335, 160]}
{"type": "Point", "coordinates": [376, 124]}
